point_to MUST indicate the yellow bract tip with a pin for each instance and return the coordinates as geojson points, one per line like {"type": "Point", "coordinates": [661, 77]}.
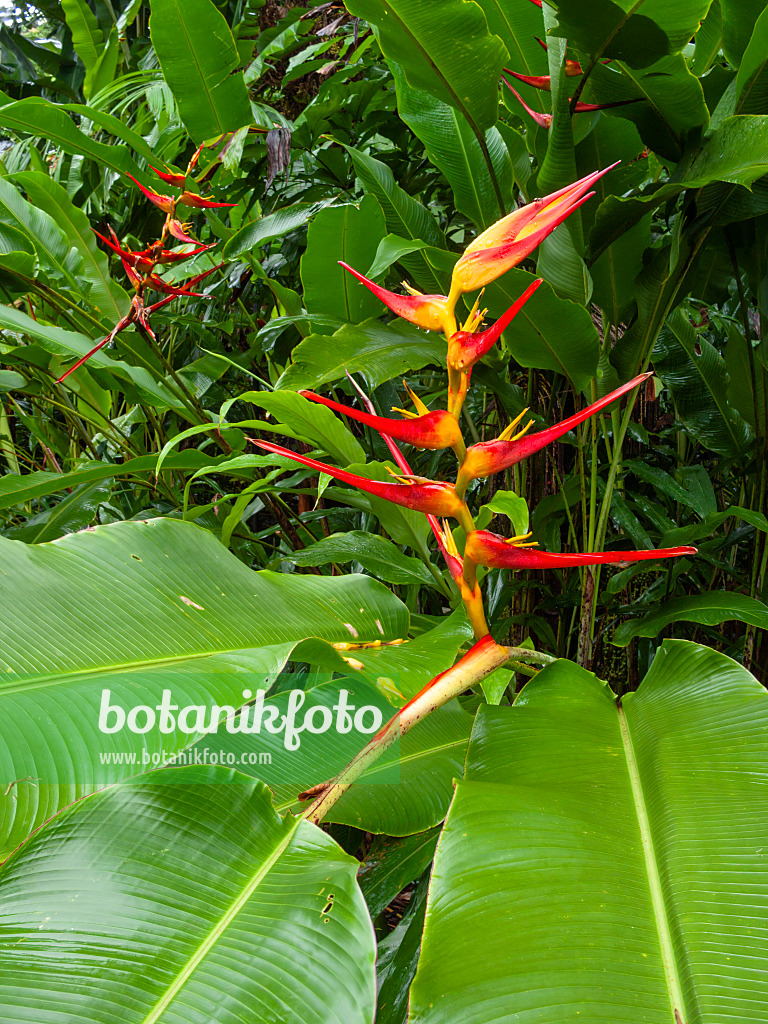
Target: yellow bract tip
{"type": "Point", "coordinates": [422, 409]}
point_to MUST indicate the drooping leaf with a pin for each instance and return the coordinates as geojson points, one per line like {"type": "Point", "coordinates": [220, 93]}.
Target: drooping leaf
{"type": "Point", "coordinates": [549, 332]}
{"type": "Point", "coordinates": [377, 555]}
{"type": "Point", "coordinates": [439, 47]}
{"type": "Point", "coordinates": [525, 916]}
{"type": "Point", "coordinates": [378, 351]}
{"type": "Point", "coordinates": [739, 17]}
{"type": "Point", "coordinates": [710, 609]}
{"type": "Point", "coordinates": [632, 32]}
{"type": "Point", "coordinates": [311, 422]}
{"type": "Point", "coordinates": [106, 295]}
{"type": "Point", "coordinates": [671, 101]}
{"type": "Point", "coordinates": [404, 216]}
{"type": "Point", "coordinates": [199, 58]}
{"type": "Point", "coordinates": [73, 345]}
{"type": "Point", "coordinates": [38, 117]}
{"type": "Point", "coordinates": [452, 147]}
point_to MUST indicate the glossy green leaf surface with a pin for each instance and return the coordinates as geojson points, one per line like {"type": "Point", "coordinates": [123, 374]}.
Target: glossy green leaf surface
{"type": "Point", "coordinates": [440, 46]}
{"type": "Point", "coordinates": [376, 554]}
{"type": "Point", "coordinates": [451, 145]}
{"type": "Point", "coordinates": [378, 351]}
{"type": "Point", "coordinates": [710, 609]}
{"type": "Point", "coordinates": [209, 628]}
{"type": "Point", "coordinates": [197, 903]}
{"type": "Point", "coordinates": [350, 234]}
{"type": "Point", "coordinates": [605, 862]}
{"type": "Point", "coordinates": [548, 332]}
{"type": "Point", "coordinates": [199, 58]}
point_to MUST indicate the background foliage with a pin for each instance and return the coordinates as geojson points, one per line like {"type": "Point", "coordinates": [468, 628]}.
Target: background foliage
{"type": "Point", "coordinates": [380, 134]}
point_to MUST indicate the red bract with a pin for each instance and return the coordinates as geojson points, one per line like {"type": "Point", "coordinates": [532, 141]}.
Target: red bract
{"type": "Point", "coordinates": [495, 552]}
{"type": "Point", "coordinates": [177, 229]}
{"type": "Point", "coordinates": [169, 203]}
{"type": "Point", "coordinates": [545, 120]}
{"type": "Point", "coordinates": [537, 81]}
{"type": "Point", "coordinates": [148, 258]}
{"type": "Point", "coordinates": [428, 311]}
{"type": "Point", "coordinates": [434, 430]}
{"type": "Point", "coordinates": [178, 180]}
{"type": "Point", "coordinates": [511, 239]}
{"type": "Point", "coordinates": [489, 457]}
{"type": "Point", "coordinates": [465, 348]}
{"type": "Point", "coordinates": [430, 496]}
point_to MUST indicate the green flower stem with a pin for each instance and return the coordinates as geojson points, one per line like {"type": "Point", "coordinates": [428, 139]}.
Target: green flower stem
{"type": "Point", "coordinates": [444, 688]}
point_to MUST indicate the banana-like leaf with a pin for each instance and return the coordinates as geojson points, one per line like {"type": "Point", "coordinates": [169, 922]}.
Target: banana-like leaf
{"type": "Point", "coordinates": [138, 608]}
{"type": "Point", "coordinates": [604, 860]}
{"type": "Point", "coordinates": [549, 333]}
{"type": "Point", "coordinates": [637, 33]}
{"type": "Point", "coordinates": [199, 58]}
{"type": "Point", "coordinates": [39, 117]}
{"type": "Point", "coordinates": [182, 896]}
{"type": "Point", "coordinates": [440, 47]}
{"type": "Point", "coordinates": [710, 609]}
{"type": "Point", "coordinates": [73, 345]}
{"type": "Point", "coordinates": [451, 146]}
{"type": "Point", "coordinates": [106, 295]}
{"type": "Point", "coordinates": [405, 217]}
{"type": "Point", "coordinates": [347, 233]}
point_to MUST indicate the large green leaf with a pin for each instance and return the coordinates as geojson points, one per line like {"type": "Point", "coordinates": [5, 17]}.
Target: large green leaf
{"type": "Point", "coordinates": [199, 58]}
{"type": "Point", "coordinates": [404, 216]}
{"type": "Point", "coordinates": [709, 609]}
{"type": "Point", "coordinates": [16, 489]}
{"type": "Point", "coordinates": [549, 333]}
{"type": "Point", "coordinates": [451, 146]}
{"type": "Point", "coordinates": [377, 555]}
{"type": "Point", "coordinates": [137, 608]}
{"type": "Point", "coordinates": [406, 791]}
{"type": "Point", "coordinates": [637, 32]}
{"type": "Point", "coordinates": [695, 373]}
{"type": "Point", "coordinates": [38, 117]}
{"type": "Point", "coordinates": [737, 152]}
{"type": "Point", "coordinates": [517, 23]}
{"type": "Point", "coordinates": [604, 861]}
{"type": "Point", "coordinates": [378, 351]}
{"type": "Point", "coordinates": [309, 421]}
{"type": "Point", "coordinates": [49, 241]}
{"type": "Point", "coordinates": [440, 46]}
{"type": "Point", "coordinates": [739, 17]}
{"type": "Point", "coordinates": [183, 896]}
{"type": "Point", "coordinates": [751, 90]}
{"type": "Point", "coordinates": [671, 101]}
{"type": "Point", "coordinates": [347, 233]}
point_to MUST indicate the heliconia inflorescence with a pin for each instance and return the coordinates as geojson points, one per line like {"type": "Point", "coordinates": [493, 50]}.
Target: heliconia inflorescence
{"type": "Point", "coordinates": [139, 266]}
{"type": "Point", "coordinates": [490, 255]}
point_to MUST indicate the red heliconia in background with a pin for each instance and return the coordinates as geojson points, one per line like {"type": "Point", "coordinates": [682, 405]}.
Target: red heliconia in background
{"type": "Point", "coordinates": [491, 254]}
{"type": "Point", "coordinates": [140, 266]}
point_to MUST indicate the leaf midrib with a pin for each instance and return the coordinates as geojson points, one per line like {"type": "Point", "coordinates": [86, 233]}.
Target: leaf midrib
{"type": "Point", "coordinates": [666, 944]}
{"type": "Point", "coordinates": [129, 666]}
{"type": "Point", "coordinates": [219, 928]}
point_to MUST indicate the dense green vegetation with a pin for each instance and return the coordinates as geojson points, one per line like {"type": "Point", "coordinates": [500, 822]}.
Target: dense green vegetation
{"type": "Point", "coordinates": [178, 185]}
